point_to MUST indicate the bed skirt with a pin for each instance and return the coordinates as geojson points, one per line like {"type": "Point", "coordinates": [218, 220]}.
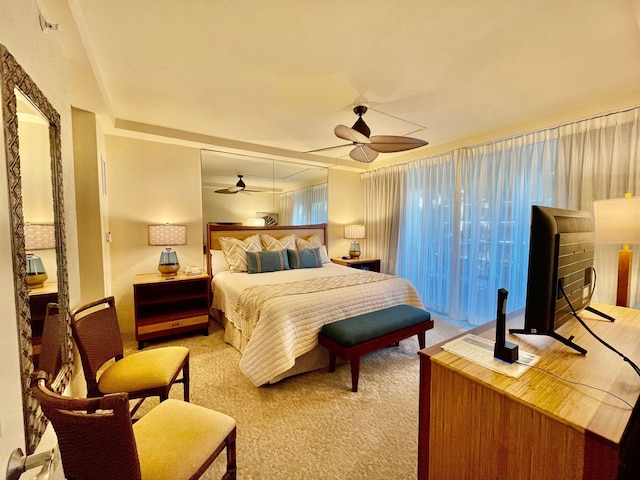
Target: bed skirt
{"type": "Point", "coordinates": [315, 359]}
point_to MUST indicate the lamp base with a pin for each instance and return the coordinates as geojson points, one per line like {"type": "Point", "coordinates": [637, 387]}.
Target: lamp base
{"type": "Point", "coordinates": [36, 280]}
{"type": "Point", "coordinates": [354, 249]}
{"type": "Point", "coordinates": [168, 270]}
{"type": "Point", "coordinates": [624, 277]}
{"type": "Point", "coordinates": [169, 264]}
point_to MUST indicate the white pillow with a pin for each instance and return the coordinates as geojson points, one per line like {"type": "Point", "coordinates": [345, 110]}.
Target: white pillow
{"type": "Point", "coordinates": [314, 242]}
{"type": "Point", "coordinates": [218, 262]}
{"type": "Point", "coordinates": [235, 251]}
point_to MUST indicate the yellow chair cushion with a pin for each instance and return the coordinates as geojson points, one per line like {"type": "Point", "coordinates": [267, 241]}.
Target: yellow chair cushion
{"type": "Point", "coordinates": [177, 437]}
{"type": "Point", "coordinates": [143, 370]}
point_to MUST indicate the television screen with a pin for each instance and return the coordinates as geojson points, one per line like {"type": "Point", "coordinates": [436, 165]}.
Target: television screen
{"type": "Point", "coordinates": [561, 250]}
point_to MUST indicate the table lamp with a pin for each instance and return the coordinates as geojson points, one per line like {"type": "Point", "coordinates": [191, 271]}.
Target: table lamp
{"type": "Point", "coordinates": [168, 235]}
{"type": "Point", "coordinates": [354, 232]}
{"type": "Point", "coordinates": [618, 222]}
{"type": "Point", "coordinates": [37, 236]}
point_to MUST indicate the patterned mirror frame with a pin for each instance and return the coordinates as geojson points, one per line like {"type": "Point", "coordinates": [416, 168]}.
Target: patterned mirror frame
{"type": "Point", "coordinates": [14, 77]}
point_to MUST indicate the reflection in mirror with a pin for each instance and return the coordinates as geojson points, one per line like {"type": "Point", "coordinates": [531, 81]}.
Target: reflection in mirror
{"type": "Point", "coordinates": [276, 191]}
{"type": "Point", "coordinates": [34, 174]}
{"type": "Point", "coordinates": [37, 196]}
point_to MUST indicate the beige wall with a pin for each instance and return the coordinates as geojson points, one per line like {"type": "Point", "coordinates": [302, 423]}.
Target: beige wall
{"type": "Point", "coordinates": [345, 207]}
{"type": "Point", "coordinates": [149, 183]}
{"type": "Point", "coordinates": [92, 243]}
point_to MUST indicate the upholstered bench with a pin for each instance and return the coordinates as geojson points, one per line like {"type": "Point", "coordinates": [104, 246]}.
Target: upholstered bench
{"type": "Point", "coordinates": [353, 337]}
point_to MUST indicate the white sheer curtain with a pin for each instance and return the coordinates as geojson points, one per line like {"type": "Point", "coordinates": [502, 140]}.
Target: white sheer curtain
{"type": "Point", "coordinates": [457, 224]}
{"type": "Point", "coordinates": [305, 206]}
{"type": "Point", "coordinates": [498, 183]}
{"type": "Point", "coordinates": [427, 210]}
{"type": "Point", "coordinates": [383, 191]}
{"type": "Point", "coordinates": [598, 159]}
{"type": "Point", "coordinates": [286, 208]}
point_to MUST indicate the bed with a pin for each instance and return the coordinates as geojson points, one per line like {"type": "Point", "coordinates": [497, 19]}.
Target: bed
{"type": "Point", "coordinates": [273, 318]}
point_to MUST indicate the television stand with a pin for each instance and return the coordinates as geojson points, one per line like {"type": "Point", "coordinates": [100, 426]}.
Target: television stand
{"type": "Point", "coordinates": [567, 341]}
{"type": "Point", "coordinates": [601, 314]}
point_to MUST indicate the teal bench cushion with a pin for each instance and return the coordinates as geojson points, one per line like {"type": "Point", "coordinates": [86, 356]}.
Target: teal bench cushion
{"type": "Point", "coordinates": [361, 328]}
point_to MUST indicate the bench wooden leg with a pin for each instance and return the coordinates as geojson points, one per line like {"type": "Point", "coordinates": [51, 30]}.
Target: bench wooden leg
{"type": "Point", "coordinates": [421, 340]}
{"type": "Point", "coordinates": [332, 362]}
{"type": "Point", "coordinates": [355, 373]}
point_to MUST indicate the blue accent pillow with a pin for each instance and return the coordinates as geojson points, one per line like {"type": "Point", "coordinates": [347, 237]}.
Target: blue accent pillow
{"type": "Point", "coordinates": [261, 262]}
{"type": "Point", "coordinates": [307, 258]}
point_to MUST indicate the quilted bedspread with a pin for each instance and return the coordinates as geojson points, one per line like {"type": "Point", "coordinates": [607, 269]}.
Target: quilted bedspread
{"type": "Point", "coordinates": [282, 319]}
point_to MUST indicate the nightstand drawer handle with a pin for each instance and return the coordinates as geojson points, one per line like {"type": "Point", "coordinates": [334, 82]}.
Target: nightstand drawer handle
{"type": "Point", "coordinates": [174, 324]}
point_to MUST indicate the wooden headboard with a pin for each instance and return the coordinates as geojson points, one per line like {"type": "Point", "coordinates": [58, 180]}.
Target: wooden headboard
{"type": "Point", "coordinates": [215, 231]}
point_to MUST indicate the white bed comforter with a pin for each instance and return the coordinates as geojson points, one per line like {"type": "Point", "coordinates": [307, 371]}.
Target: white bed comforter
{"type": "Point", "coordinates": [282, 322]}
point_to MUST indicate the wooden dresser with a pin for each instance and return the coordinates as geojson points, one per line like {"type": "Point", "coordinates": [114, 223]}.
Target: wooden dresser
{"type": "Point", "coordinates": [477, 423]}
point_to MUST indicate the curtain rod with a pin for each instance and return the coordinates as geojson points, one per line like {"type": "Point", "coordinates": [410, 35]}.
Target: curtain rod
{"type": "Point", "coordinates": [513, 137]}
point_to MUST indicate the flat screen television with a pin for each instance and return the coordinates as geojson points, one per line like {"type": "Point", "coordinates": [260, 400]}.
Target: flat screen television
{"type": "Point", "coordinates": [561, 250]}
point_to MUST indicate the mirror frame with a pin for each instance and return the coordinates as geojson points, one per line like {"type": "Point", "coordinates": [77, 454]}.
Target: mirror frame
{"type": "Point", "coordinates": [14, 77]}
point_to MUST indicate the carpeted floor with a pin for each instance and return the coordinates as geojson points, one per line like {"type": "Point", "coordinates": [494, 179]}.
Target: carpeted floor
{"type": "Point", "coordinates": [312, 426]}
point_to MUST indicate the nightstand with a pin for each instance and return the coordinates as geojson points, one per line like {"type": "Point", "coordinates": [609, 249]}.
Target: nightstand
{"type": "Point", "coordinates": [170, 305]}
{"type": "Point", "coordinates": [372, 264]}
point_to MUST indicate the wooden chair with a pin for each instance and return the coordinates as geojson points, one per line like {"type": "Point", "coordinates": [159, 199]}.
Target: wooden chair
{"type": "Point", "coordinates": [175, 440]}
{"type": "Point", "coordinates": [143, 374]}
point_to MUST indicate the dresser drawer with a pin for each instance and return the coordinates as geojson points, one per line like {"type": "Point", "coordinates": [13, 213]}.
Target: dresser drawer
{"type": "Point", "coordinates": [165, 327]}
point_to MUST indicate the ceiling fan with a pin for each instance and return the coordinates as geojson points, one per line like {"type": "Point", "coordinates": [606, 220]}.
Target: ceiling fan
{"type": "Point", "coordinates": [367, 148]}
{"type": "Point", "coordinates": [240, 186]}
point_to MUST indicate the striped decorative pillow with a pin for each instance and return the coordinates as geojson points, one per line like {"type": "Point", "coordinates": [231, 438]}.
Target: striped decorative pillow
{"type": "Point", "coordinates": [307, 258]}
{"type": "Point", "coordinates": [235, 251]}
{"type": "Point", "coordinates": [261, 262]}
{"type": "Point", "coordinates": [271, 244]}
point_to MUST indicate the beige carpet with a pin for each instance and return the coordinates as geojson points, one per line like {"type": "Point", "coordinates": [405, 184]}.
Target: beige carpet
{"type": "Point", "coordinates": [312, 426]}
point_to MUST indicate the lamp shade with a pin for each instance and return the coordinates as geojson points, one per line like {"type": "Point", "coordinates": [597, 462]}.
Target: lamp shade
{"type": "Point", "coordinates": [39, 236]}
{"type": "Point", "coordinates": [617, 220]}
{"type": "Point", "coordinates": [255, 222]}
{"type": "Point", "coordinates": [167, 234]}
{"type": "Point", "coordinates": [354, 231]}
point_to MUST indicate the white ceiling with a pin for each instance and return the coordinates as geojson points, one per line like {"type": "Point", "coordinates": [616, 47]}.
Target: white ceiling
{"type": "Point", "coordinates": [284, 73]}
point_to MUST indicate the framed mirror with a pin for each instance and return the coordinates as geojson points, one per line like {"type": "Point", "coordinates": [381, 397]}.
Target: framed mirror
{"type": "Point", "coordinates": [34, 170]}
{"type": "Point", "coordinates": [240, 189]}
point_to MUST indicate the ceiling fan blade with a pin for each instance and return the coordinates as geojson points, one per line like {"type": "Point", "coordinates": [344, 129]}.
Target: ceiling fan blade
{"type": "Point", "coordinates": [226, 190]}
{"type": "Point", "coordinates": [393, 143]}
{"type": "Point", "coordinates": [350, 135]}
{"type": "Point", "coordinates": [362, 153]}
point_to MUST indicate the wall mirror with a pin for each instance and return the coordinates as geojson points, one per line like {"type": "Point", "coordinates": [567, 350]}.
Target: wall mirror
{"type": "Point", "coordinates": [34, 171]}
{"type": "Point", "coordinates": [277, 190]}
